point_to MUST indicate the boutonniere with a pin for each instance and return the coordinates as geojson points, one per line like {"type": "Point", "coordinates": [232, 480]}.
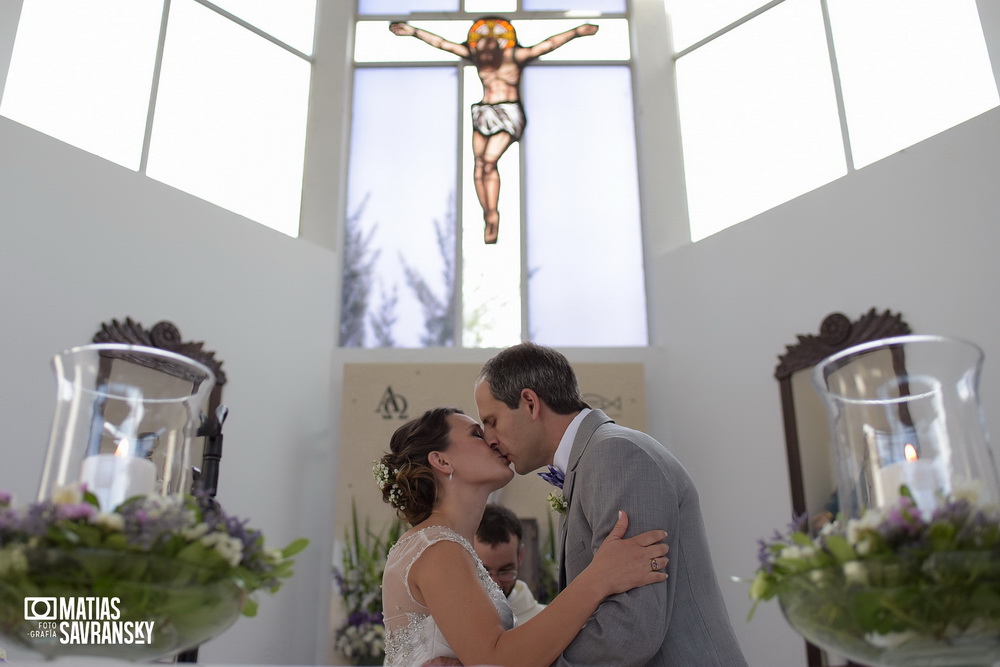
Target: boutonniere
{"type": "Point", "coordinates": [555, 477]}
{"type": "Point", "coordinates": [557, 501]}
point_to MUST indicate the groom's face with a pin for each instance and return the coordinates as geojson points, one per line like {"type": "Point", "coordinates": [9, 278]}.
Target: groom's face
{"type": "Point", "coordinates": [511, 432]}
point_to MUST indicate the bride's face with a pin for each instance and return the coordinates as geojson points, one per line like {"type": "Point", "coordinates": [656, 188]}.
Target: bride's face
{"type": "Point", "coordinates": [475, 461]}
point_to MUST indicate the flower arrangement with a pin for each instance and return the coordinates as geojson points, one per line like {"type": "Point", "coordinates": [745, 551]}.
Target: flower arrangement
{"type": "Point", "coordinates": [176, 560]}
{"type": "Point", "coordinates": [182, 527]}
{"type": "Point", "coordinates": [895, 580]}
{"type": "Point", "coordinates": [361, 637]}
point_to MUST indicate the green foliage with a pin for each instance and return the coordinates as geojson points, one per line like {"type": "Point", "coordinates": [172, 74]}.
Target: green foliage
{"type": "Point", "coordinates": [550, 567]}
{"type": "Point", "coordinates": [361, 638]}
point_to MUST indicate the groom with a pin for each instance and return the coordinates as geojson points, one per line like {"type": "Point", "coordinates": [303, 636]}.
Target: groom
{"type": "Point", "coordinates": [533, 413]}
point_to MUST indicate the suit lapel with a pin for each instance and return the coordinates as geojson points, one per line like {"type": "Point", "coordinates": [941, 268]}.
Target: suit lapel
{"type": "Point", "coordinates": [586, 431]}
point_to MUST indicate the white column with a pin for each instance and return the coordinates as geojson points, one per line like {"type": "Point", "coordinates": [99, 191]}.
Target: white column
{"type": "Point", "coordinates": [10, 13]}
{"type": "Point", "coordinates": [989, 16]}
{"type": "Point", "coordinates": [661, 164]}
{"type": "Point", "coordinates": [328, 130]}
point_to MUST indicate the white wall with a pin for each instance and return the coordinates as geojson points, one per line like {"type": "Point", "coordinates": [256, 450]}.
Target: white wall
{"type": "Point", "coordinates": [916, 233]}
{"type": "Point", "coordinates": [83, 241]}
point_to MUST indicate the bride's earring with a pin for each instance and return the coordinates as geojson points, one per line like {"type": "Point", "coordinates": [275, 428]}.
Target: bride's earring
{"type": "Point", "coordinates": [451, 477]}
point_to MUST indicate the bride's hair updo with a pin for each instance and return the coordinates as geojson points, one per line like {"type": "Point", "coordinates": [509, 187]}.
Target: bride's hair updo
{"type": "Point", "coordinates": [404, 475]}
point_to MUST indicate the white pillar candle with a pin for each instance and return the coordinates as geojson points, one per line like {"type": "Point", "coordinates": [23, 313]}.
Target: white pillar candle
{"type": "Point", "coordinates": [923, 478]}
{"type": "Point", "coordinates": [113, 479]}
{"type": "Point", "coordinates": [889, 478]}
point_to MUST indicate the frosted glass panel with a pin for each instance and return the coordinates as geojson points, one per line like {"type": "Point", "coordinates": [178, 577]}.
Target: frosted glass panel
{"type": "Point", "coordinates": [230, 117]}
{"type": "Point", "coordinates": [584, 238]}
{"type": "Point", "coordinates": [405, 6]}
{"type": "Point", "coordinates": [401, 195]}
{"type": "Point", "coordinates": [758, 117]}
{"type": "Point", "coordinates": [491, 6]}
{"type": "Point", "coordinates": [610, 42]}
{"type": "Point", "coordinates": [374, 43]}
{"type": "Point", "coordinates": [694, 20]}
{"type": "Point", "coordinates": [597, 6]}
{"type": "Point", "coordinates": [491, 274]}
{"type": "Point", "coordinates": [291, 21]}
{"type": "Point", "coordinates": [81, 72]}
{"type": "Point", "coordinates": [910, 69]}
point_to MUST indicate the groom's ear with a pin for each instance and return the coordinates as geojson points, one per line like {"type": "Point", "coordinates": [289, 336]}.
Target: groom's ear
{"type": "Point", "coordinates": [531, 402]}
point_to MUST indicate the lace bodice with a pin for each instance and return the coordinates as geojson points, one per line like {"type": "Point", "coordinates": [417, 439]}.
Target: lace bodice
{"type": "Point", "coordinates": [412, 637]}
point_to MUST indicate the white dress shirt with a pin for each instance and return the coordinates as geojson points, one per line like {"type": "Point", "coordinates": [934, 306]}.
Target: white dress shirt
{"type": "Point", "coordinates": [523, 603]}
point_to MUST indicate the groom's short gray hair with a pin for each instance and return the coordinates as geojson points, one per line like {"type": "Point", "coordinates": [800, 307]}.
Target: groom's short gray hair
{"type": "Point", "coordinates": [530, 366]}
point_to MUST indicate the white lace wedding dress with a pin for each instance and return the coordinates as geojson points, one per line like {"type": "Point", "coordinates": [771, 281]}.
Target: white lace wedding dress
{"type": "Point", "coordinates": [412, 637]}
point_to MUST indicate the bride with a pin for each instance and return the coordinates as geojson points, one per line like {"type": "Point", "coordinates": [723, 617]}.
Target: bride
{"type": "Point", "coordinates": [438, 600]}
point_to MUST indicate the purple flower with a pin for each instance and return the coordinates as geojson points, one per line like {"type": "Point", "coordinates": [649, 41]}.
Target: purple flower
{"type": "Point", "coordinates": [38, 518]}
{"type": "Point", "coordinates": [365, 618]}
{"type": "Point", "coordinates": [554, 476]}
{"type": "Point", "coordinates": [5, 498]}
{"type": "Point", "coordinates": [150, 521]}
{"type": "Point", "coordinates": [902, 523]}
{"type": "Point", "coordinates": [764, 554]}
{"type": "Point", "coordinates": [76, 511]}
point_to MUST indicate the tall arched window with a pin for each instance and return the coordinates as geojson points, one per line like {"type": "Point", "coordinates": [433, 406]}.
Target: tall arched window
{"type": "Point", "coordinates": [567, 265]}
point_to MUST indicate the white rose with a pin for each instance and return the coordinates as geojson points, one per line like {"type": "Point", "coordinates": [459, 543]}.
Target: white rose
{"type": "Point", "coordinates": [855, 572]}
{"type": "Point", "coordinates": [68, 495]}
{"type": "Point", "coordinates": [13, 560]}
{"type": "Point", "coordinates": [194, 532]}
{"type": "Point", "coordinates": [111, 521]}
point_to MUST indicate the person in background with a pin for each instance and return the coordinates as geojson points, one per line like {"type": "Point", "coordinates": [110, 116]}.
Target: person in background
{"type": "Point", "coordinates": [498, 543]}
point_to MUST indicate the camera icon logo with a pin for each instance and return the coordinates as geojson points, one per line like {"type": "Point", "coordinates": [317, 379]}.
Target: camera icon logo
{"type": "Point", "coordinates": [40, 609]}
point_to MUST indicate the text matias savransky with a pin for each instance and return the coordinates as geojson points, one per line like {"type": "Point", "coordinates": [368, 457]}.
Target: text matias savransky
{"type": "Point", "coordinates": [91, 620]}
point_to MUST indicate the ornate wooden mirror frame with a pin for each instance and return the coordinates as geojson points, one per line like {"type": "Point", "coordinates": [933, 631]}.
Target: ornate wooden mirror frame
{"type": "Point", "coordinates": [805, 423]}
{"type": "Point", "coordinates": [166, 336]}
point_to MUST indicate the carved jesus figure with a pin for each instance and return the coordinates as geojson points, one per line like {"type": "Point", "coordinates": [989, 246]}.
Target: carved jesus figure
{"type": "Point", "coordinates": [498, 119]}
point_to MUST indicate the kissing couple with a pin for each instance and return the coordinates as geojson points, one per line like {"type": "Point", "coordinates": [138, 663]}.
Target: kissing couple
{"type": "Point", "coordinates": [622, 601]}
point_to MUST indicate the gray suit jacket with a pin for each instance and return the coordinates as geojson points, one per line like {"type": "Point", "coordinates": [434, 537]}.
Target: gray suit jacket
{"type": "Point", "coordinates": [680, 623]}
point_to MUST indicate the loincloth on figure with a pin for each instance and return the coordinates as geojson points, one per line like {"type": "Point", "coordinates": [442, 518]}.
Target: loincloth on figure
{"type": "Point", "coordinates": [489, 119]}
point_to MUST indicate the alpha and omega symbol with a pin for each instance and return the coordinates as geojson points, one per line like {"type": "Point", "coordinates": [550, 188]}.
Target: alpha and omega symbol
{"type": "Point", "coordinates": [392, 405]}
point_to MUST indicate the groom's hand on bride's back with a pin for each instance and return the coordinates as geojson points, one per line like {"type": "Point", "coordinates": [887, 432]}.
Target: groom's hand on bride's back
{"type": "Point", "coordinates": [443, 662]}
